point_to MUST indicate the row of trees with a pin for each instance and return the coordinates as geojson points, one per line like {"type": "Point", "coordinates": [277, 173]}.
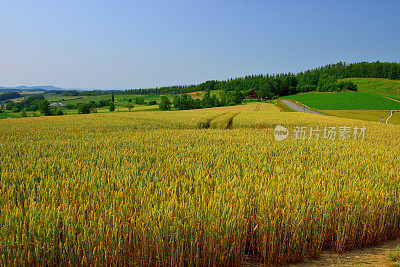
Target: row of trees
{"type": "Point", "coordinates": [9, 95]}
{"type": "Point", "coordinates": [185, 101]}
{"type": "Point", "coordinates": [31, 103]}
{"type": "Point", "coordinates": [321, 79]}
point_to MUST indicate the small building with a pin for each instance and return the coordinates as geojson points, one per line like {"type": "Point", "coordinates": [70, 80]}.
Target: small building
{"type": "Point", "coordinates": [57, 105]}
{"type": "Point", "coordinates": [253, 95]}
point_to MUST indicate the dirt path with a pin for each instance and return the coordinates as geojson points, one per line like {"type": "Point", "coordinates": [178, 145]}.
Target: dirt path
{"type": "Point", "coordinates": [373, 256]}
{"type": "Point", "coordinates": [298, 108]}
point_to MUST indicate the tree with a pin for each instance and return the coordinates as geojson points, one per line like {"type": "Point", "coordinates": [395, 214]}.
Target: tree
{"type": "Point", "coordinates": [112, 97]}
{"type": "Point", "coordinates": [130, 106]}
{"type": "Point", "coordinates": [139, 101]}
{"type": "Point", "coordinates": [177, 101]}
{"type": "Point", "coordinates": [112, 106]}
{"type": "Point", "coordinates": [237, 97]}
{"type": "Point", "coordinates": [347, 85]}
{"type": "Point", "coordinates": [103, 103]}
{"type": "Point", "coordinates": [165, 103]}
{"type": "Point", "coordinates": [327, 83]}
{"type": "Point", "coordinates": [23, 113]}
{"type": "Point", "coordinates": [45, 108]}
{"type": "Point", "coordinates": [207, 100]}
{"type": "Point", "coordinates": [84, 108]}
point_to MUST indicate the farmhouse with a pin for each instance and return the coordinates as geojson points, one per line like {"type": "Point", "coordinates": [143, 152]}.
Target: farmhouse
{"type": "Point", "coordinates": [253, 95]}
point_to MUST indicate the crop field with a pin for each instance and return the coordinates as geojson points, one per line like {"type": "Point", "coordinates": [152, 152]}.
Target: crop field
{"type": "Point", "coordinates": [79, 99]}
{"type": "Point", "coordinates": [383, 87]}
{"type": "Point", "coordinates": [345, 101]}
{"type": "Point", "coordinates": [367, 115]}
{"type": "Point", "coordinates": [209, 187]}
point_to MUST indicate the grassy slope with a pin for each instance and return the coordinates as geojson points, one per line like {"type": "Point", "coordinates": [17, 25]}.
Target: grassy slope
{"type": "Point", "coordinates": [383, 87]}
{"type": "Point", "coordinates": [345, 100]}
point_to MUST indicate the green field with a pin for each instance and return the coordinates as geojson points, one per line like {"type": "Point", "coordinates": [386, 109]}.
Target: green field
{"type": "Point", "coordinates": [345, 101]}
{"type": "Point", "coordinates": [383, 87]}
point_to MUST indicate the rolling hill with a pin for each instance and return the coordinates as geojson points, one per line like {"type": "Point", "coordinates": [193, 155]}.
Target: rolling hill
{"type": "Point", "coordinates": [377, 86]}
{"type": "Point", "coordinates": [345, 101]}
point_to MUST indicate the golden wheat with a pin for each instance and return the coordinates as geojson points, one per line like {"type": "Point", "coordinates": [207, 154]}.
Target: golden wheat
{"type": "Point", "coordinates": [151, 188]}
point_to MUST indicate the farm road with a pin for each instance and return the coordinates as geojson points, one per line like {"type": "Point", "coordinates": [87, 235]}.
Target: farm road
{"type": "Point", "coordinates": [298, 108]}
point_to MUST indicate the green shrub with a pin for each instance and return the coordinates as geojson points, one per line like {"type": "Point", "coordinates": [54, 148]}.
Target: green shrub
{"type": "Point", "coordinates": [84, 108]}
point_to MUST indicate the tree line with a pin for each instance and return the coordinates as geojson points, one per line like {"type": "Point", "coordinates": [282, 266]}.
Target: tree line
{"type": "Point", "coordinates": [185, 101]}
{"type": "Point", "coordinates": [270, 85]}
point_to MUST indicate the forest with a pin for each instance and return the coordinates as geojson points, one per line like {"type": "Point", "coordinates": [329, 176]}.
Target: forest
{"type": "Point", "coordinates": [270, 85]}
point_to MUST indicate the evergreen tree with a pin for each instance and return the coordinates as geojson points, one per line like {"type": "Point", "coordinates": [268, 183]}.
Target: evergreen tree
{"type": "Point", "coordinates": [112, 106]}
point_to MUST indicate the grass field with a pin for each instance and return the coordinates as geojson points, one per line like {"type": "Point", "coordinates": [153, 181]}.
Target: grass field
{"type": "Point", "coordinates": [152, 188]}
{"type": "Point", "coordinates": [383, 87]}
{"type": "Point", "coordinates": [365, 115]}
{"type": "Point", "coordinates": [345, 101]}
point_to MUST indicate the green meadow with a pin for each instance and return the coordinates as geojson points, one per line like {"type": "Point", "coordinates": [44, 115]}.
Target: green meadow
{"type": "Point", "coordinates": [345, 101]}
{"type": "Point", "coordinates": [377, 86]}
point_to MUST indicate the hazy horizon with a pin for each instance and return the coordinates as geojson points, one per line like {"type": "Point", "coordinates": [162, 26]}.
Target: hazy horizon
{"type": "Point", "coordinates": [125, 44]}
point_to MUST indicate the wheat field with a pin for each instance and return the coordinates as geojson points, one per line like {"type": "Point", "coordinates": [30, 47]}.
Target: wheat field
{"type": "Point", "coordinates": [179, 188]}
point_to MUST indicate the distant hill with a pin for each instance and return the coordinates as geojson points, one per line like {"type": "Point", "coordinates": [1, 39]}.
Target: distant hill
{"type": "Point", "coordinates": [29, 88]}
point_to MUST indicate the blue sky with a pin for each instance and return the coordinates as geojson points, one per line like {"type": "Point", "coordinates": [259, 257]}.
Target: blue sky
{"type": "Point", "coordinates": [139, 44]}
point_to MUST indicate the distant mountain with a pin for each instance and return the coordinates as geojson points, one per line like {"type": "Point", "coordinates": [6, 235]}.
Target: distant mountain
{"type": "Point", "coordinates": [30, 88]}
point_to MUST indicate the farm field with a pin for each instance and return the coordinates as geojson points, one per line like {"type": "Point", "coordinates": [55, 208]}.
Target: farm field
{"type": "Point", "coordinates": [78, 99]}
{"type": "Point", "coordinates": [377, 86]}
{"type": "Point", "coordinates": [367, 115]}
{"type": "Point", "coordinates": [119, 108]}
{"type": "Point", "coordinates": [345, 101]}
{"type": "Point", "coordinates": [178, 188]}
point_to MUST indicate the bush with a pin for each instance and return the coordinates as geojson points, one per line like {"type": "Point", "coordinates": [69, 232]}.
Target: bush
{"type": "Point", "coordinates": [60, 112]}
{"type": "Point", "coordinates": [130, 106]}
{"type": "Point", "coordinates": [69, 106]}
{"type": "Point", "coordinates": [152, 102]}
{"type": "Point", "coordinates": [347, 86]}
{"type": "Point", "coordinates": [23, 114]}
{"type": "Point", "coordinates": [15, 109]}
{"type": "Point", "coordinates": [103, 103]}
{"type": "Point", "coordinates": [84, 108]}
